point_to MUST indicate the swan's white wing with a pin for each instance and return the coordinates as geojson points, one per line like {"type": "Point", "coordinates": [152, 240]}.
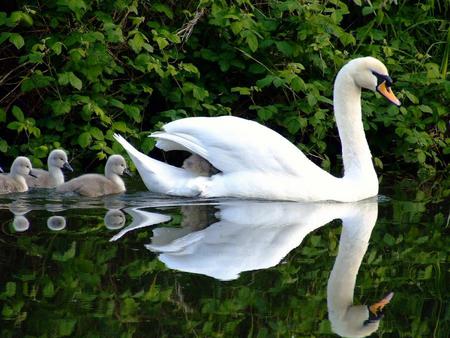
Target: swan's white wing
{"type": "Point", "coordinates": [234, 144]}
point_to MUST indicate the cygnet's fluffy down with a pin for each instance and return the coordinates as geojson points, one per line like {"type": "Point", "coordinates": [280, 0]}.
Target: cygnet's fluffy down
{"type": "Point", "coordinates": [56, 162]}
{"type": "Point", "coordinates": [15, 180]}
{"type": "Point", "coordinates": [199, 166]}
{"type": "Point", "coordinates": [95, 185]}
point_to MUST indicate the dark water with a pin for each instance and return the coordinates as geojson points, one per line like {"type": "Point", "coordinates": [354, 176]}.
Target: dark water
{"type": "Point", "coordinates": [141, 265]}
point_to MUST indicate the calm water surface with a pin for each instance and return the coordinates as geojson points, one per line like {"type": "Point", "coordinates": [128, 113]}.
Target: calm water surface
{"type": "Point", "coordinates": [141, 265]}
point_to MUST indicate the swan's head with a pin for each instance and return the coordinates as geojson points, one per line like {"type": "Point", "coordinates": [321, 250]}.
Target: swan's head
{"type": "Point", "coordinates": [372, 74]}
{"type": "Point", "coordinates": [22, 166]}
{"type": "Point", "coordinates": [116, 164]}
{"type": "Point", "coordinates": [58, 159]}
{"type": "Point", "coordinates": [360, 320]}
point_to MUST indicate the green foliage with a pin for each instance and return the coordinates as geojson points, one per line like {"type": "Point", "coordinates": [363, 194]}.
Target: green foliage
{"type": "Point", "coordinates": [80, 70]}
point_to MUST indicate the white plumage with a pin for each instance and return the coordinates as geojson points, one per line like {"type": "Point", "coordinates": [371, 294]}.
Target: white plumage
{"type": "Point", "coordinates": [256, 162]}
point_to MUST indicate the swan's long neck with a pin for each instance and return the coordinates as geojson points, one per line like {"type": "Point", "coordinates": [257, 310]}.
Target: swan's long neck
{"type": "Point", "coordinates": [347, 109]}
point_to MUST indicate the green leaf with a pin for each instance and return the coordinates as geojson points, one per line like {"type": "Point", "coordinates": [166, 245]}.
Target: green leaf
{"type": "Point", "coordinates": [137, 42]}
{"type": "Point", "coordinates": [162, 42]}
{"type": "Point", "coordinates": [15, 126]}
{"type": "Point", "coordinates": [285, 48]}
{"type": "Point", "coordinates": [84, 139]}
{"type": "Point", "coordinates": [75, 81]}
{"type": "Point", "coordinates": [389, 240]}
{"type": "Point", "coordinates": [18, 114]}
{"type": "Point", "coordinates": [252, 40]}
{"type": "Point", "coordinates": [421, 157]}
{"type": "Point", "coordinates": [66, 326]}
{"type": "Point", "coordinates": [96, 133]}
{"type": "Point", "coordinates": [78, 7]}
{"type": "Point", "coordinates": [48, 290]}
{"type": "Point", "coordinates": [133, 111]}
{"type": "Point", "coordinates": [3, 146]}
{"type": "Point", "coordinates": [10, 289]}
{"type": "Point", "coordinates": [61, 107]}
{"type": "Point", "coordinates": [63, 78]}
{"type": "Point", "coordinates": [161, 8]}
{"type": "Point", "coordinates": [67, 255]}
{"type": "Point", "coordinates": [17, 40]}
{"type": "Point", "coordinates": [57, 47]}
{"type": "Point", "coordinates": [4, 36]}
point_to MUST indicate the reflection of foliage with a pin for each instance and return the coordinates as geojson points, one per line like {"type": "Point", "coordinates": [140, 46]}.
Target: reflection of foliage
{"type": "Point", "coordinates": [77, 283]}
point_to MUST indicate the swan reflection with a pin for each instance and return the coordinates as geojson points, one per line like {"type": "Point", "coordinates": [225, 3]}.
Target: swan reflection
{"type": "Point", "coordinates": [248, 236]}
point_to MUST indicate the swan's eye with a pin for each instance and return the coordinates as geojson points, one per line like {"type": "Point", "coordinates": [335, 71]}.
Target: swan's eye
{"type": "Point", "coordinates": [382, 78]}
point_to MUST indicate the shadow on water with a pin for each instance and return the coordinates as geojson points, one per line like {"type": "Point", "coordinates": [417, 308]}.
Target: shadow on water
{"type": "Point", "coordinates": [123, 264]}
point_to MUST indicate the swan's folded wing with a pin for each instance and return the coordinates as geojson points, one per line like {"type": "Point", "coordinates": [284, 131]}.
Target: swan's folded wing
{"type": "Point", "coordinates": [235, 144]}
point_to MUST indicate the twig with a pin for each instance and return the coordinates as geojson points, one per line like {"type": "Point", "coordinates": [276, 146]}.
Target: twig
{"type": "Point", "coordinates": [186, 30]}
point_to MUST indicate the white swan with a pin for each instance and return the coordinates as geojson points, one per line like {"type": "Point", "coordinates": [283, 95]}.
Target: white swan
{"type": "Point", "coordinates": [256, 162]}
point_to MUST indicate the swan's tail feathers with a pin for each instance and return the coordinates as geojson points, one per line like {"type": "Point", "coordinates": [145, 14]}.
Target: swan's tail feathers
{"type": "Point", "coordinates": [157, 176]}
{"type": "Point", "coordinates": [139, 159]}
{"type": "Point", "coordinates": [179, 141]}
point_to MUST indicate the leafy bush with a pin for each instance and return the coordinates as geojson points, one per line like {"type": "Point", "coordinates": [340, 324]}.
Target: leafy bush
{"type": "Point", "coordinates": [76, 71]}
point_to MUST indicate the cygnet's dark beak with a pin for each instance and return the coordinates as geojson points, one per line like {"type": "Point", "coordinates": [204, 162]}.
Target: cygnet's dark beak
{"type": "Point", "coordinates": [127, 172]}
{"type": "Point", "coordinates": [31, 174]}
{"type": "Point", "coordinates": [66, 167]}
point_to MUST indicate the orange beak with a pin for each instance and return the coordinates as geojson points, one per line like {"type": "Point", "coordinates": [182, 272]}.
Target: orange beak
{"type": "Point", "coordinates": [377, 307]}
{"type": "Point", "coordinates": [387, 93]}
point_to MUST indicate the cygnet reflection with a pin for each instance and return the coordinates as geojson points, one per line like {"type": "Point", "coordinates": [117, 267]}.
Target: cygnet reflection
{"type": "Point", "coordinates": [56, 223]}
{"type": "Point", "coordinates": [20, 223]}
{"type": "Point", "coordinates": [20, 208]}
{"type": "Point", "coordinates": [114, 219]}
{"type": "Point", "coordinates": [258, 235]}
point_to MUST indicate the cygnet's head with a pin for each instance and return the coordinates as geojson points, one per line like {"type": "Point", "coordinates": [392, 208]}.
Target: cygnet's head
{"type": "Point", "coordinates": [116, 165]}
{"type": "Point", "coordinates": [58, 159]}
{"type": "Point", "coordinates": [372, 74]}
{"type": "Point", "coordinates": [21, 166]}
